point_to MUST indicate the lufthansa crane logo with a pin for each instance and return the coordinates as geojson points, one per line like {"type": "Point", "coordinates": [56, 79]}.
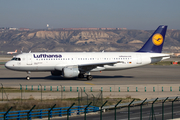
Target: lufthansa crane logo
{"type": "Point", "coordinates": [157, 39]}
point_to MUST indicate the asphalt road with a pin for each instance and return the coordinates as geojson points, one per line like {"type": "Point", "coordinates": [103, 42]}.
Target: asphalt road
{"type": "Point", "coordinates": [122, 114]}
{"type": "Point", "coordinates": [150, 74]}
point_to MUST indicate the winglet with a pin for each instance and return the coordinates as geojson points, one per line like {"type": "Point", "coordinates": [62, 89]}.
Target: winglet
{"type": "Point", "coordinates": [156, 41]}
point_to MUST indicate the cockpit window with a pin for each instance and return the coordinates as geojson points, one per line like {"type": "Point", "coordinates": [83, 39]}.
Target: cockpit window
{"type": "Point", "coordinates": [16, 59]}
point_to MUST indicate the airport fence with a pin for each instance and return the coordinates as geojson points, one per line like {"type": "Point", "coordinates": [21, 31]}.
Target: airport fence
{"type": "Point", "coordinates": [151, 114]}
{"type": "Point", "coordinates": [107, 88]}
{"type": "Point", "coordinates": [43, 93]}
{"type": "Point", "coordinates": [87, 93]}
{"type": "Point", "coordinates": [44, 113]}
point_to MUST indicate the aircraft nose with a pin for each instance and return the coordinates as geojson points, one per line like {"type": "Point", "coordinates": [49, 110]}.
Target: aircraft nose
{"type": "Point", "coordinates": [8, 65]}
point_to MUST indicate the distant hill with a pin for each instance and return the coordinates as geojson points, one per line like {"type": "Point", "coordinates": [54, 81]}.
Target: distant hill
{"type": "Point", "coordinates": [78, 40]}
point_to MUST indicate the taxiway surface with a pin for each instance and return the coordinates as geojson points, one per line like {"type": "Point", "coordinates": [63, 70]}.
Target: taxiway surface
{"type": "Point", "coordinates": [150, 74]}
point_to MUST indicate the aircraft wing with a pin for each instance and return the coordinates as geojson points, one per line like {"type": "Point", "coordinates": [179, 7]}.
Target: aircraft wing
{"type": "Point", "coordinates": [90, 66]}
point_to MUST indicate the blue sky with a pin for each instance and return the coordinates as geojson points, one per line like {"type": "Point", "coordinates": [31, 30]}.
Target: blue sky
{"type": "Point", "coordinates": [131, 14]}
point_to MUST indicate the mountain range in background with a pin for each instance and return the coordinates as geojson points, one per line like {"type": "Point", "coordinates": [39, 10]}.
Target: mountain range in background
{"type": "Point", "coordinates": [82, 40]}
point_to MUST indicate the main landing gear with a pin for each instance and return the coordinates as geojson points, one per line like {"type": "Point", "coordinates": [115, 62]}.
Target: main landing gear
{"type": "Point", "coordinates": [88, 77]}
{"type": "Point", "coordinates": [28, 75]}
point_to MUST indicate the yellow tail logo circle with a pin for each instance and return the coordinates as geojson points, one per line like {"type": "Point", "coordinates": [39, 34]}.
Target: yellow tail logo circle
{"type": "Point", "coordinates": [157, 39]}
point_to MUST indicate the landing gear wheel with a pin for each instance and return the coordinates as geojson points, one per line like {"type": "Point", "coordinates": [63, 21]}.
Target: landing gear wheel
{"type": "Point", "coordinates": [28, 78]}
{"type": "Point", "coordinates": [81, 76]}
{"type": "Point", "coordinates": [89, 77]}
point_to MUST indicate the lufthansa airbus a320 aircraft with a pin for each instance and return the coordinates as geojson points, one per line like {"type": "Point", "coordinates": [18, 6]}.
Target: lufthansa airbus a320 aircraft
{"type": "Point", "coordinates": [77, 64]}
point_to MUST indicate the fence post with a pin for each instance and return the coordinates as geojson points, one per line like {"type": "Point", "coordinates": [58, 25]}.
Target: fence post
{"type": "Point", "coordinates": [101, 96]}
{"type": "Point", "coordinates": [57, 88]}
{"type": "Point", "coordinates": [18, 116]}
{"type": "Point", "coordinates": [68, 111]}
{"type": "Point", "coordinates": [50, 88]}
{"type": "Point", "coordinates": [173, 106]}
{"type": "Point", "coordinates": [7, 113]}
{"type": "Point", "coordinates": [93, 100]}
{"type": "Point", "coordinates": [129, 108]}
{"type": "Point", "coordinates": [101, 110]}
{"type": "Point", "coordinates": [115, 109]}
{"type": "Point", "coordinates": [152, 108]}
{"type": "Point", "coordinates": [30, 112]}
{"type": "Point", "coordinates": [163, 108]}
{"type": "Point", "coordinates": [49, 112]}
{"type": "Point", "coordinates": [41, 92]}
{"type": "Point", "coordinates": [87, 97]}
{"type": "Point", "coordinates": [2, 90]}
{"type": "Point", "coordinates": [61, 92]}
{"type": "Point", "coordinates": [60, 112]}
{"type": "Point", "coordinates": [21, 91]}
{"type": "Point", "coordinates": [85, 110]}
{"type": "Point", "coordinates": [40, 114]}
{"type": "Point", "coordinates": [141, 109]}
{"type": "Point", "coordinates": [81, 94]}
{"type": "Point", "coordinates": [84, 89]}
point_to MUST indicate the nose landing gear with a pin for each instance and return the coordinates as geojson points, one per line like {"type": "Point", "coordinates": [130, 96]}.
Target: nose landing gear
{"type": "Point", "coordinates": [28, 75]}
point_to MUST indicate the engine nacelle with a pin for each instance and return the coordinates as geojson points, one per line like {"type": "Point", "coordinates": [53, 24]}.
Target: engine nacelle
{"type": "Point", "coordinates": [70, 72]}
{"type": "Point", "coordinates": [56, 73]}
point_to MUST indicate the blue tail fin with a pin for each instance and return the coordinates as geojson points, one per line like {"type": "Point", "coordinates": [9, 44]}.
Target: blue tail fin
{"type": "Point", "coordinates": [156, 41]}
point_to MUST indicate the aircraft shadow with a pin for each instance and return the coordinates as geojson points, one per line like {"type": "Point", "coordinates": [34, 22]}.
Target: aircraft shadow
{"type": "Point", "coordinates": [58, 78]}
{"type": "Point", "coordinates": [84, 79]}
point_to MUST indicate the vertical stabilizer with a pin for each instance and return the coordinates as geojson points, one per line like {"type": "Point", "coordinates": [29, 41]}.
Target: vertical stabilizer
{"type": "Point", "coordinates": [156, 41]}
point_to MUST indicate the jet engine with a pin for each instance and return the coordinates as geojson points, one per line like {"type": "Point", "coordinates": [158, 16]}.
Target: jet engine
{"type": "Point", "coordinates": [70, 72]}
{"type": "Point", "coordinates": [56, 73]}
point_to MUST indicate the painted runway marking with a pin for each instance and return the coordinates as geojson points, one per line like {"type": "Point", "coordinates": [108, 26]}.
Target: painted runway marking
{"type": "Point", "coordinates": [89, 83]}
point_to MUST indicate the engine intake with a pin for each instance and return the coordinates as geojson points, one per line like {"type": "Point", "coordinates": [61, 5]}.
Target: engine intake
{"type": "Point", "coordinates": [70, 72]}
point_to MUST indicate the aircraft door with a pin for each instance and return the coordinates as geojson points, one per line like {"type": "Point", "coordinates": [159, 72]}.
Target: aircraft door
{"type": "Point", "coordinates": [29, 59]}
{"type": "Point", "coordinates": [139, 59]}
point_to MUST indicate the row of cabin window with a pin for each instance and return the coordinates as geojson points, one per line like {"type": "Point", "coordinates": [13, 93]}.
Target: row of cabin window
{"type": "Point", "coordinates": [56, 59]}
{"type": "Point", "coordinates": [87, 59]}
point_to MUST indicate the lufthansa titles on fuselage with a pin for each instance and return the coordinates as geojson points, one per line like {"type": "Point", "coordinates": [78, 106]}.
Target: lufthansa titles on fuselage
{"type": "Point", "coordinates": [47, 56]}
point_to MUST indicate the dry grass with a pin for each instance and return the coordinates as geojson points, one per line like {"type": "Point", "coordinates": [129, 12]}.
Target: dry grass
{"type": "Point", "coordinates": [29, 103]}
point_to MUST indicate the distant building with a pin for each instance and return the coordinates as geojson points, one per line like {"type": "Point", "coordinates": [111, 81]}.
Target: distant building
{"type": "Point", "coordinates": [13, 28]}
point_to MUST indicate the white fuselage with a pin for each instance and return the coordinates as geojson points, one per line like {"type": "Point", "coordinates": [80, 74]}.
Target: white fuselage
{"type": "Point", "coordinates": [59, 60]}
